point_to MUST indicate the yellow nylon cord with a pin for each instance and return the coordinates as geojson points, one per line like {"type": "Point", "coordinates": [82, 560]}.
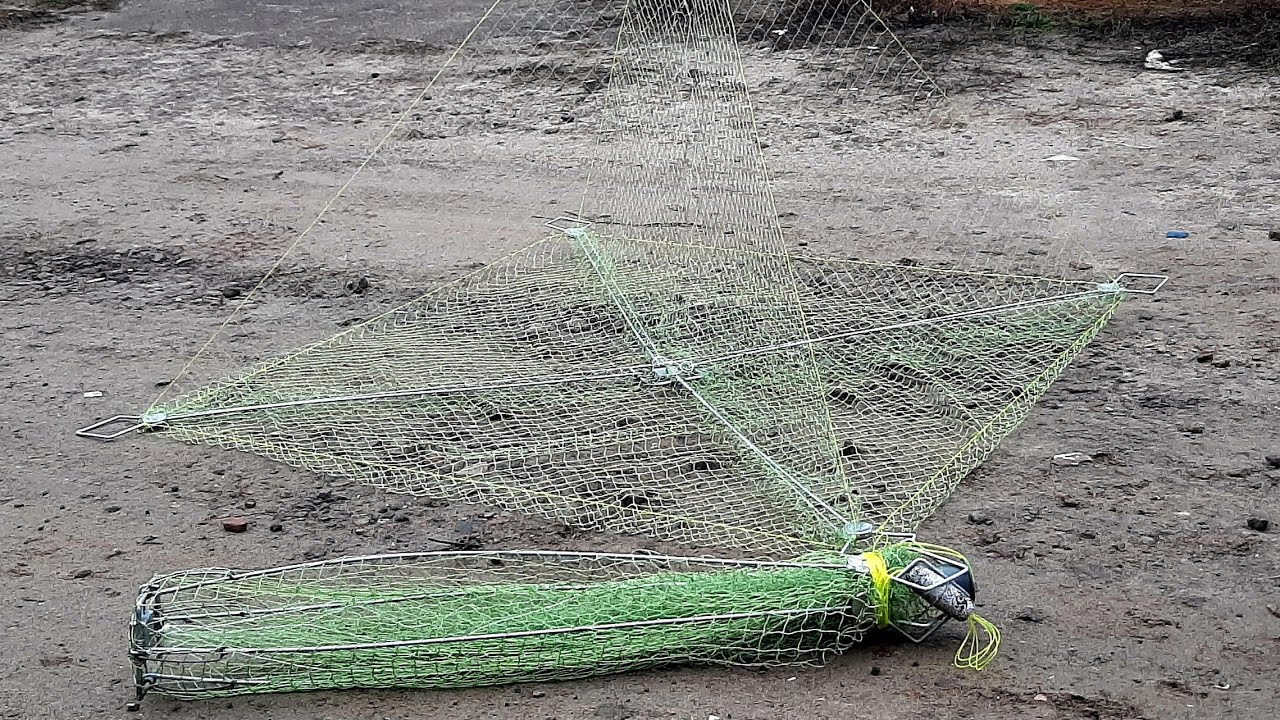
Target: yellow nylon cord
{"type": "Point", "coordinates": [881, 582]}
{"type": "Point", "coordinates": [971, 655]}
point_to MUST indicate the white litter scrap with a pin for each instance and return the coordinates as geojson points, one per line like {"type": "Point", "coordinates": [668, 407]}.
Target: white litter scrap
{"type": "Point", "coordinates": [1155, 61]}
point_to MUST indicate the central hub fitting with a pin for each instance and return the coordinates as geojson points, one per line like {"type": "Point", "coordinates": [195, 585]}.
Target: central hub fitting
{"type": "Point", "coordinates": [667, 372]}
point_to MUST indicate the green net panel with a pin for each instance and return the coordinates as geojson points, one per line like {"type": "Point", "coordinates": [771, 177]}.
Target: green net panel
{"type": "Point", "coordinates": [525, 387]}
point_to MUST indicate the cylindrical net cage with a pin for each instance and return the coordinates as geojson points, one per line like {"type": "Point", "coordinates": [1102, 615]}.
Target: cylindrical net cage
{"type": "Point", "coordinates": [459, 619]}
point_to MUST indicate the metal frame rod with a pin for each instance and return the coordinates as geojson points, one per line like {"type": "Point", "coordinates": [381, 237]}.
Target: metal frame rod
{"type": "Point", "coordinates": [979, 312]}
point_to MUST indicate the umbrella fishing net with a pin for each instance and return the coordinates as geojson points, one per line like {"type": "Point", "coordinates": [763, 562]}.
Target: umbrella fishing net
{"type": "Point", "coordinates": [657, 363]}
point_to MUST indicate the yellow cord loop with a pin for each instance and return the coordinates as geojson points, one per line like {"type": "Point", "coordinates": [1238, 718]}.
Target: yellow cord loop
{"type": "Point", "coordinates": [881, 583]}
{"type": "Point", "coordinates": [972, 654]}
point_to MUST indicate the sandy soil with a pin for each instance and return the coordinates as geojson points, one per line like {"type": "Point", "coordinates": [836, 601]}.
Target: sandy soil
{"type": "Point", "coordinates": [155, 161]}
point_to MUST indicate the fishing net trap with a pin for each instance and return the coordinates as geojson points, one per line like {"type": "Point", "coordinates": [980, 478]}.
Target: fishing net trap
{"type": "Point", "coordinates": [659, 363]}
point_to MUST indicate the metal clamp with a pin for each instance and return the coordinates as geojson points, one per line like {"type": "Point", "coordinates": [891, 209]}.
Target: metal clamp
{"type": "Point", "coordinates": [945, 583]}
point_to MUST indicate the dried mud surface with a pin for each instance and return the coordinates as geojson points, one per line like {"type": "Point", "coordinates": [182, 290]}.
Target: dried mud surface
{"type": "Point", "coordinates": [154, 162]}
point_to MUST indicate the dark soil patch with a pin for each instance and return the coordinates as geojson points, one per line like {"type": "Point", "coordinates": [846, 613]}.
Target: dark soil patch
{"type": "Point", "coordinates": [35, 13]}
{"type": "Point", "coordinates": [1239, 33]}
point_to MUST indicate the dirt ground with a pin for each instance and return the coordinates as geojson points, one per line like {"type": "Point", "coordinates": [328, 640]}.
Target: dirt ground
{"type": "Point", "coordinates": [1112, 8]}
{"type": "Point", "coordinates": [156, 159]}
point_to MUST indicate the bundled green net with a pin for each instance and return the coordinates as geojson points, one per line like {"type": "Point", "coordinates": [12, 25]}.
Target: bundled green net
{"type": "Point", "coordinates": [459, 619]}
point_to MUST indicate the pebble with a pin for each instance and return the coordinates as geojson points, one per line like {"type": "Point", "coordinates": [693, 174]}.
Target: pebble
{"type": "Point", "coordinates": [235, 525]}
{"type": "Point", "coordinates": [978, 517]}
{"type": "Point", "coordinates": [82, 574]}
{"type": "Point", "coordinates": [1030, 614]}
{"type": "Point", "coordinates": [1274, 234]}
{"type": "Point", "coordinates": [276, 527]}
{"type": "Point", "coordinates": [1259, 524]}
{"type": "Point", "coordinates": [401, 517]}
{"type": "Point", "coordinates": [1221, 363]}
{"type": "Point", "coordinates": [1274, 461]}
{"type": "Point", "coordinates": [250, 504]}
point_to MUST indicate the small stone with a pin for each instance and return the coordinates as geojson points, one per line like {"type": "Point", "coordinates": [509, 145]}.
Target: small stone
{"type": "Point", "coordinates": [1204, 356]}
{"type": "Point", "coordinates": [1274, 234]}
{"type": "Point", "coordinates": [875, 669]}
{"type": "Point", "coordinates": [1071, 459]}
{"type": "Point", "coordinates": [276, 527]}
{"type": "Point", "coordinates": [112, 509]}
{"type": "Point", "coordinates": [978, 517]}
{"type": "Point", "coordinates": [235, 525]}
{"type": "Point", "coordinates": [1274, 461]}
{"type": "Point", "coordinates": [82, 574]}
{"type": "Point", "coordinates": [132, 706]}
{"type": "Point", "coordinates": [1259, 524]}
{"type": "Point", "coordinates": [115, 553]}
{"type": "Point", "coordinates": [538, 693]}
{"type": "Point", "coordinates": [1040, 697]}
{"type": "Point", "coordinates": [401, 517]}
{"type": "Point", "coordinates": [250, 504]}
{"type": "Point", "coordinates": [987, 536]}
{"type": "Point", "coordinates": [1221, 363]}
{"type": "Point", "coordinates": [1032, 615]}
{"type": "Point", "coordinates": [230, 291]}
